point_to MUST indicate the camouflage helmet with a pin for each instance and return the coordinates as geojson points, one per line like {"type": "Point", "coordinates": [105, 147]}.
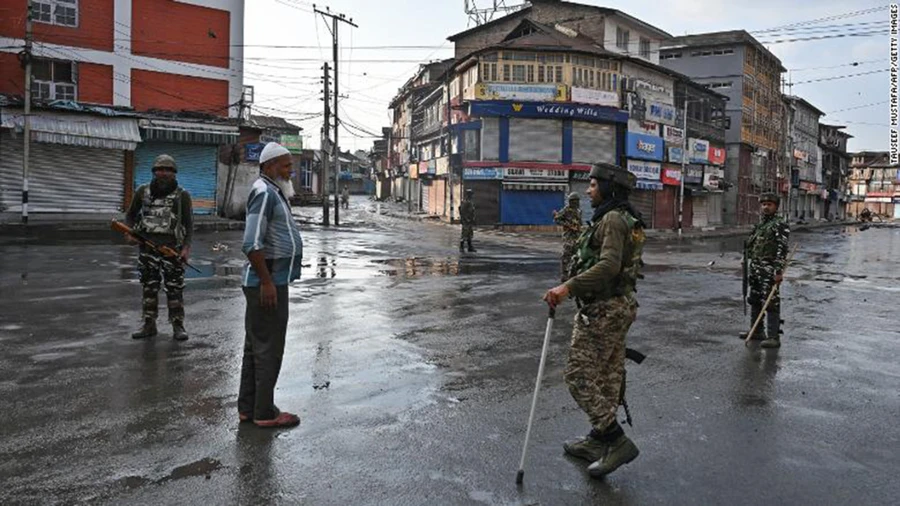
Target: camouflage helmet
{"type": "Point", "coordinates": [165, 161]}
{"type": "Point", "coordinates": [613, 173]}
{"type": "Point", "coordinates": [574, 196]}
{"type": "Point", "coordinates": [769, 197]}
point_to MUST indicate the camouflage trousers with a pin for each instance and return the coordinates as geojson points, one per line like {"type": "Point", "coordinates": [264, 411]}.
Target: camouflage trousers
{"type": "Point", "coordinates": [596, 368]}
{"type": "Point", "coordinates": [153, 269]}
{"type": "Point", "coordinates": [761, 279]}
{"type": "Point", "coordinates": [467, 232]}
{"type": "Point", "coordinates": [565, 261]}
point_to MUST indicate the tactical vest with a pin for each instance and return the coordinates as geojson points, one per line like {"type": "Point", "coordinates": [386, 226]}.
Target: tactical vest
{"type": "Point", "coordinates": [161, 216]}
{"type": "Point", "coordinates": [586, 257]}
{"type": "Point", "coordinates": [763, 243]}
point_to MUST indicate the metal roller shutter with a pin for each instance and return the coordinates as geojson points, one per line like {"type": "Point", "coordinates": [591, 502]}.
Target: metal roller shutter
{"type": "Point", "coordinates": [486, 195]}
{"type": "Point", "coordinates": [425, 196]}
{"type": "Point", "coordinates": [714, 208]}
{"type": "Point", "coordinates": [197, 170]}
{"type": "Point", "coordinates": [592, 143]}
{"type": "Point", "coordinates": [665, 212]}
{"type": "Point", "coordinates": [535, 140]}
{"type": "Point", "coordinates": [62, 178]}
{"type": "Point", "coordinates": [642, 200]}
{"type": "Point", "coordinates": [529, 207]}
{"type": "Point", "coordinates": [701, 213]}
{"type": "Point", "coordinates": [490, 139]}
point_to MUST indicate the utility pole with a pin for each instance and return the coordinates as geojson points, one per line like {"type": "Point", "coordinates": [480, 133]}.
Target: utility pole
{"type": "Point", "coordinates": [324, 157]}
{"type": "Point", "coordinates": [335, 18]}
{"type": "Point", "coordinates": [684, 136]}
{"type": "Point", "coordinates": [26, 153]}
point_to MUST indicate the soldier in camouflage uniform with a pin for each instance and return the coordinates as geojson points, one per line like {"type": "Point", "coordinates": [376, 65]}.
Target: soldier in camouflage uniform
{"type": "Point", "coordinates": [767, 251]}
{"type": "Point", "coordinates": [606, 270]}
{"type": "Point", "coordinates": [467, 218]}
{"type": "Point", "coordinates": [569, 218]}
{"type": "Point", "coordinates": [162, 211]}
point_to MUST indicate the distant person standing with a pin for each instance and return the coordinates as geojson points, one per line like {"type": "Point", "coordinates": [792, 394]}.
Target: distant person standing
{"type": "Point", "coordinates": [467, 218]}
{"type": "Point", "coordinates": [345, 197]}
{"type": "Point", "coordinates": [569, 218]}
{"type": "Point", "coordinates": [161, 211]}
{"type": "Point", "coordinates": [274, 251]}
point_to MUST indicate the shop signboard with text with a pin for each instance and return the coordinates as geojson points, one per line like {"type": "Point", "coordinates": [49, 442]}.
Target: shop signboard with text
{"type": "Point", "coordinates": [671, 175]}
{"type": "Point", "coordinates": [548, 110]}
{"type": "Point", "coordinates": [643, 127]}
{"type": "Point", "coordinates": [694, 174]}
{"type": "Point", "coordinates": [595, 97]}
{"type": "Point", "coordinates": [482, 173]}
{"type": "Point", "coordinates": [698, 150]}
{"type": "Point", "coordinates": [712, 178]}
{"type": "Point", "coordinates": [645, 170]}
{"type": "Point", "coordinates": [676, 155]}
{"type": "Point", "coordinates": [660, 113]}
{"type": "Point", "coordinates": [673, 135]}
{"type": "Point", "coordinates": [643, 147]}
{"type": "Point", "coordinates": [716, 156]}
{"type": "Point", "coordinates": [513, 173]}
{"type": "Point", "coordinates": [530, 92]}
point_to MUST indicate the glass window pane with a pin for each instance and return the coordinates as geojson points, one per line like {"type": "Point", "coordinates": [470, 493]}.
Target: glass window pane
{"type": "Point", "coordinates": [62, 72]}
{"type": "Point", "coordinates": [42, 70]}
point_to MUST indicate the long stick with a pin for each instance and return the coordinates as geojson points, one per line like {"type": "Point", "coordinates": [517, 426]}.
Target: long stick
{"type": "Point", "coordinates": [770, 297]}
{"type": "Point", "coordinates": [537, 387]}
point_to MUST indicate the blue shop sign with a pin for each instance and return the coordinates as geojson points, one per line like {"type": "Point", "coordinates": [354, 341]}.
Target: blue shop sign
{"type": "Point", "coordinates": [675, 155]}
{"type": "Point", "coordinates": [482, 173]}
{"type": "Point", "coordinates": [252, 151]}
{"type": "Point", "coordinates": [694, 174]}
{"type": "Point", "coordinates": [547, 110]}
{"type": "Point", "coordinates": [643, 147]}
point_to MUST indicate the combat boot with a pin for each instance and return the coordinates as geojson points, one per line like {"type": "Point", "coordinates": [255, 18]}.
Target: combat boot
{"type": "Point", "coordinates": [462, 246]}
{"type": "Point", "coordinates": [590, 447]}
{"type": "Point", "coordinates": [178, 332]}
{"type": "Point", "coordinates": [774, 323]}
{"type": "Point", "coordinates": [620, 452]}
{"type": "Point", "coordinates": [471, 249]}
{"type": "Point", "coordinates": [147, 330]}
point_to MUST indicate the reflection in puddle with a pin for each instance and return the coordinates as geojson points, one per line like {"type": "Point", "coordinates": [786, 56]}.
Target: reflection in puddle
{"type": "Point", "coordinates": [413, 267]}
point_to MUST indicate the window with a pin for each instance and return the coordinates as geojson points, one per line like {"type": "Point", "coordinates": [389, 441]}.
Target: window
{"type": "Point", "coordinates": [518, 73]}
{"type": "Point", "coordinates": [507, 75]}
{"type": "Point", "coordinates": [53, 80]}
{"type": "Point", "coordinates": [645, 47]}
{"type": "Point", "coordinates": [670, 56]}
{"type": "Point", "coordinates": [540, 73]}
{"type": "Point", "coordinates": [622, 37]}
{"type": "Point", "coordinates": [472, 145]}
{"type": "Point", "coordinates": [56, 12]}
{"type": "Point", "coordinates": [559, 73]}
{"type": "Point", "coordinates": [531, 73]}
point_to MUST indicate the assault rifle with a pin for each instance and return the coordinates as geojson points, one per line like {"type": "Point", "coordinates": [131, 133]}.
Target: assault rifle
{"type": "Point", "coordinates": [745, 278]}
{"type": "Point", "coordinates": [167, 252]}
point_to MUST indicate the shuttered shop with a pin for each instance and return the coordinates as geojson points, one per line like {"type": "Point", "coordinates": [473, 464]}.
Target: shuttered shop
{"type": "Point", "coordinates": [530, 204]}
{"type": "Point", "coordinates": [425, 193]}
{"type": "Point", "coordinates": [535, 140]}
{"type": "Point", "coordinates": [486, 196]}
{"type": "Point", "coordinates": [197, 170]}
{"type": "Point", "coordinates": [701, 215]}
{"type": "Point", "coordinates": [715, 202]}
{"type": "Point", "coordinates": [592, 143]}
{"type": "Point", "coordinates": [62, 178]}
{"type": "Point", "coordinates": [642, 200]}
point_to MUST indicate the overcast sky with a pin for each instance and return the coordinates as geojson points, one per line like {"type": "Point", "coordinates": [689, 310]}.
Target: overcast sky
{"type": "Point", "coordinates": [287, 81]}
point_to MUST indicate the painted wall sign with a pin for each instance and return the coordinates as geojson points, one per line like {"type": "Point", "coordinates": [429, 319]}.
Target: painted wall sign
{"type": "Point", "coordinates": [643, 147]}
{"type": "Point", "coordinates": [645, 170]}
{"type": "Point", "coordinates": [596, 97]}
{"type": "Point", "coordinates": [532, 92]}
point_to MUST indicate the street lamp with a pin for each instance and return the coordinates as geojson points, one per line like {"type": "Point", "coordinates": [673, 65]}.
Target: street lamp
{"type": "Point", "coordinates": [684, 137]}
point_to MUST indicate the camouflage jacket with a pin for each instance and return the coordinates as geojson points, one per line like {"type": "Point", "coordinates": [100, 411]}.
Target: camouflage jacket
{"type": "Point", "coordinates": [768, 242]}
{"type": "Point", "coordinates": [569, 218]}
{"type": "Point", "coordinates": [467, 212]}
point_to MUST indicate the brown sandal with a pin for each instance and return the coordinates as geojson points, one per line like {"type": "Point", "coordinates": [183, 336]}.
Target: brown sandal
{"type": "Point", "coordinates": [282, 420]}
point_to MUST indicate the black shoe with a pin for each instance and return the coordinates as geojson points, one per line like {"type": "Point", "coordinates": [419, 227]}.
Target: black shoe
{"type": "Point", "coordinates": [462, 246]}
{"type": "Point", "coordinates": [148, 330]}
{"type": "Point", "coordinates": [178, 332]}
{"type": "Point", "coordinates": [471, 249]}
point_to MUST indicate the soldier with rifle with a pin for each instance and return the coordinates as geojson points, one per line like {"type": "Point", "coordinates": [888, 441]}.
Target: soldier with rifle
{"type": "Point", "coordinates": [161, 214]}
{"type": "Point", "coordinates": [569, 218]}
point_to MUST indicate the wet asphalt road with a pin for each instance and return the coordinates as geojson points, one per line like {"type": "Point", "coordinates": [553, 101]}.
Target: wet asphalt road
{"type": "Point", "coordinates": [412, 367]}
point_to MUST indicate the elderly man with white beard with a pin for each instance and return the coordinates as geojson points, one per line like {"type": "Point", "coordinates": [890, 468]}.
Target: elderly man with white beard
{"type": "Point", "coordinates": [274, 249]}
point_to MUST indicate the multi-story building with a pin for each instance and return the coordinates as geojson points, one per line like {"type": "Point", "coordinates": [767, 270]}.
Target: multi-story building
{"type": "Point", "coordinates": [808, 195]}
{"type": "Point", "coordinates": [873, 185]}
{"type": "Point", "coordinates": [115, 83]}
{"type": "Point", "coordinates": [735, 64]}
{"type": "Point", "coordinates": [835, 168]}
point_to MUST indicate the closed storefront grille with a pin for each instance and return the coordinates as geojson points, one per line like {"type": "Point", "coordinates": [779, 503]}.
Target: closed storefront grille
{"type": "Point", "coordinates": [197, 170]}
{"type": "Point", "coordinates": [642, 200]}
{"type": "Point", "coordinates": [535, 140]}
{"type": "Point", "coordinates": [486, 196]}
{"type": "Point", "coordinates": [701, 210]}
{"type": "Point", "coordinates": [592, 143]}
{"type": "Point", "coordinates": [425, 191]}
{"type": "Point", "coordinates": [522, 204]}
{"type": "Point", "coordinates": [62, 178]}
{"type": "Point", "coordinates": [714, 204]}
{"type": "Point", "coordinates": [664, 212]}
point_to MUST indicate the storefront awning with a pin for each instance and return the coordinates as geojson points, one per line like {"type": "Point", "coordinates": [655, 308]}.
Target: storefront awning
{"type": "Point", "coordinates": [77, 129]}
{"type": "Point", "coordinates": [535, 186]}
{"type": "Point", "coordinates": [643, 184]}
{"type": "Point", "coordinates": [188, 132]}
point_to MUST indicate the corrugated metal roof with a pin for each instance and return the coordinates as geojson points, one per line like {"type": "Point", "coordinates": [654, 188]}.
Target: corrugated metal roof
{"type": "Point", "coordinates": [77, 129]}
{"type": "Point", "coordinates": [189, 132]}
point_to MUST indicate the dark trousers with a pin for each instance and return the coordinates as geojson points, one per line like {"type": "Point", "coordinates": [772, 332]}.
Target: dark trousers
{"type": "Point", "coordinates": [263, 353]}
